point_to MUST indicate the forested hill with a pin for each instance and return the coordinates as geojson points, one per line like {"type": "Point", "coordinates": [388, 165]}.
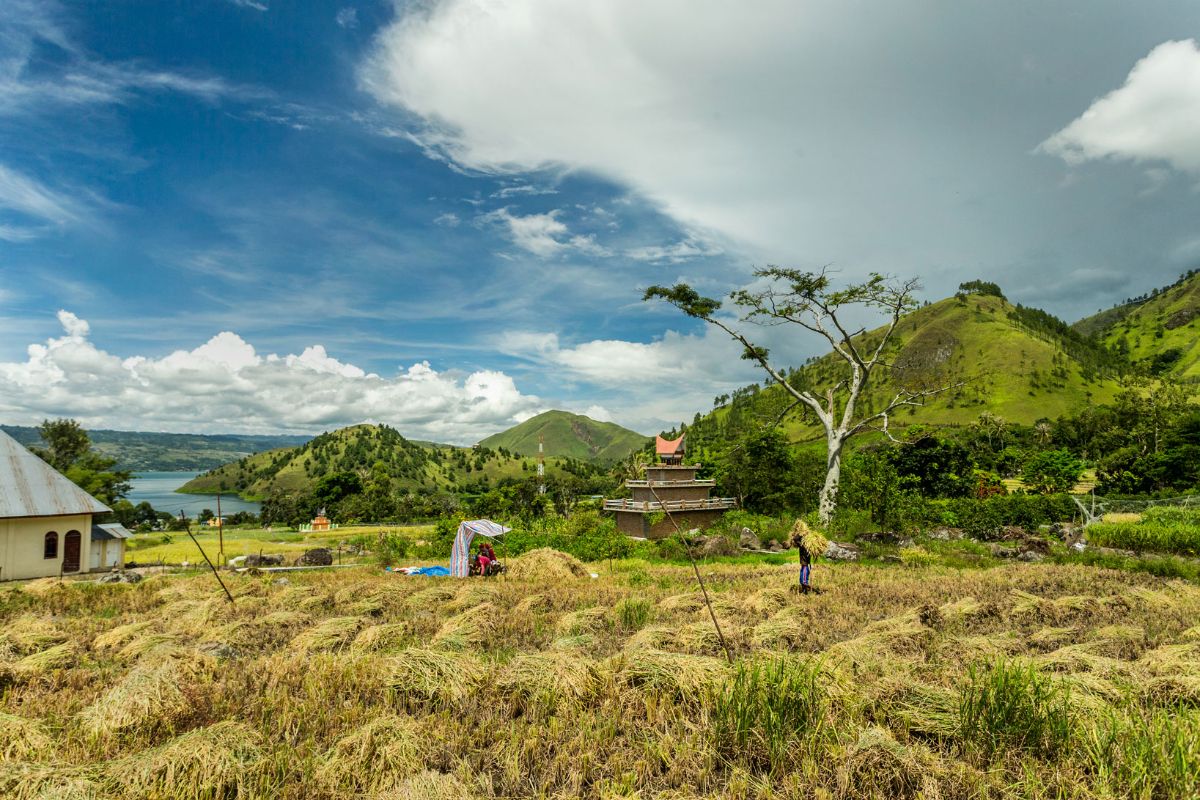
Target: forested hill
{"type": "Point", "coordinates": [142, 451]}
{"type": "Point", "coordinates": [1158, 330]}
{"type": "Point", "coordinates": [567, 435]}
{"type": "Point", "coordinates": [363, 449]}
{"type": "Point", "coordinates": [1023, 365]}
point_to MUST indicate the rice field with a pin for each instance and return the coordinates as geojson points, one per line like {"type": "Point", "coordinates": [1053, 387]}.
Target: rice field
{"type": "Point", "coordinates": [1030, 680]}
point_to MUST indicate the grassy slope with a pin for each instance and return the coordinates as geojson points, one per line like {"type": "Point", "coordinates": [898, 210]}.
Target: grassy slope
{"type": "Point", "coordinates": [1140, 324]}
{"type": "Point", "coordinates": [365, 684]}
{"type": "Point", "coordinates": [974, 340]}
{"type": "Point", "coordinates": [568, 435]}
{"type": "Point", "coordinates": [412, 465]}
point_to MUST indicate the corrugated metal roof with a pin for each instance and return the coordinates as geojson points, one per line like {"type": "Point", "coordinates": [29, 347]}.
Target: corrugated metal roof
{"type": "Point", "coordinates": [111, 530]}
{"type": "Point", "coordinates": [29, 487]}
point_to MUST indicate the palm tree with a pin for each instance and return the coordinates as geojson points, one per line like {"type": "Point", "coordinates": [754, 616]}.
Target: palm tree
{"type": "Point", "coordinates": [1044, 432]}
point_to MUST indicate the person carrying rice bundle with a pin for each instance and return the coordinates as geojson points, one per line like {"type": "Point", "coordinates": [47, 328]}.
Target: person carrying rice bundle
{"type": "Point", "coordinates": [809, 544]}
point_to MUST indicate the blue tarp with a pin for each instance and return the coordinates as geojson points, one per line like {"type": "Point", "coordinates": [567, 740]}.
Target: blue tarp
{"type": "Point", "coordinates": [435, 570]}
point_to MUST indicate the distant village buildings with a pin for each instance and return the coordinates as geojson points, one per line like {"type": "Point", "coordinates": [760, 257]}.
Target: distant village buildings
{"type": "Point", "coordinates": [46, 521]}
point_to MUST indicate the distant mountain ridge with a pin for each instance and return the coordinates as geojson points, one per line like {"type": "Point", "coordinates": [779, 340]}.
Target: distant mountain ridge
{"type": "Point", "coordinates": [143, 451]}
{"type": "Point", "coordinates": [567, 435]}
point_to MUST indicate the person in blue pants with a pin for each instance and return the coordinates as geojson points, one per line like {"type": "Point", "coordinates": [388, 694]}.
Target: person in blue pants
{"type": "Point", "coordinates": [805, 569]}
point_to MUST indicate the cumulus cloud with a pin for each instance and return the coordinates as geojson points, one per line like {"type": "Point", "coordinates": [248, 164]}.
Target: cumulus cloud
{"type": "Point", "coordinates": [1155, 116]}
{"type": "Point", "coordinates": [225, 385]}
{"type": "Point", "coordinates": [541, 234]}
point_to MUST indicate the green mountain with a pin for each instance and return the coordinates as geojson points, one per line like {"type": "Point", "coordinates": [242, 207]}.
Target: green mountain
{"type": "Point", "coordinates": [1159, 329]}
{"type": "Point", "coordinates": [1019, 363]}
{"type": "Point", "coordinates": [412, 466]}
{"type": "Point", "coordinates": [566, 435]}
{"type": "Point", "coordinates": [168, 452]}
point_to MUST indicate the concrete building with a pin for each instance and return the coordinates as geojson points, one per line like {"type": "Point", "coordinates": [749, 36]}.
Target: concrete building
{"type": "Point", "coordinates": [672, 486]}
{"type": "Point", "coordinates": [45, 520]}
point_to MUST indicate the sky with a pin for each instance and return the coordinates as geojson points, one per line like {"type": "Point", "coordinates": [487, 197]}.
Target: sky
{"type": "Point", "coordinates": [256, 216]}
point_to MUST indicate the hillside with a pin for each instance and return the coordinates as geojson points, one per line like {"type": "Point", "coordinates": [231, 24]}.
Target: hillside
{"type": "Point", "coordinates": [567, 435]}
{"type": "Point", "coordinates": [142, 451]}
{"type": "Point", "coordinates": [1022, 364]}
{"type": "Point", "coordinates": [412, 466]}
{"type": "Point", "coordinates": [1159, 331]}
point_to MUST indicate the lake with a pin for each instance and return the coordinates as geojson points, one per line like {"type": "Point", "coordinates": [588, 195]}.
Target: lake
{"type": "Point", "coordinates": [158, 489]}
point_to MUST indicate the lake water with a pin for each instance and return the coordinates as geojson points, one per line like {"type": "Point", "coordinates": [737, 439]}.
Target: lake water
{"type": "Point", "coordinates": [158, 489]}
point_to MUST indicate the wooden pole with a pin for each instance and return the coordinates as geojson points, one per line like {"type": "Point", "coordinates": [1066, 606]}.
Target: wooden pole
{"type": "Point", "coordinates": [696, 569]}
{"type": "Point", "coordinates": [220, 531]}
{"type": "Point", "coordinates": [210, 564]}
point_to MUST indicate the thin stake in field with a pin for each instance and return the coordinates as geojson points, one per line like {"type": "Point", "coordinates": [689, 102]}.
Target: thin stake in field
{"type": "Point", "coordinates": [699, 580]}
{"type": "Point", "coordinates": [210, 564]}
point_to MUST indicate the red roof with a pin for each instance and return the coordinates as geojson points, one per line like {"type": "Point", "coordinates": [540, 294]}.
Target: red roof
{"type": "Point", "coordinates": [667, 447]}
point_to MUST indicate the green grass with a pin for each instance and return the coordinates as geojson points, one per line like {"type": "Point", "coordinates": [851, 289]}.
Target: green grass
{"type": "Point", "coordinates": [568, 435]}
{"type": "Point", "coordinates": [1164, 537]}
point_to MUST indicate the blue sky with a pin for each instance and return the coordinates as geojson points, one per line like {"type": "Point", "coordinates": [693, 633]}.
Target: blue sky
{"type": "Point", "coordinates": [260, 216]}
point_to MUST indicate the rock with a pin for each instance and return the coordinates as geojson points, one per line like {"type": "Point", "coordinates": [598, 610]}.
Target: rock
{"type": "Point", "coordinates": [885, 537]}
{"type": "Point", "coordinates": [1031, 556]}
{"type": "Point", "coordinates": [1078, 546]}
{"type": "Point", "coordinates": [317, 557]}
{"type": "Point", "coordinates": [999, 551]}
{"type": "Point", "coordinates": [749, 541]}
{"type": "Point", "coordinates": [255, 560]}
{"type": "Point", "coordinates": [119, 577]}
{"type": "Point", "coordinates": [840, 551]}
{"type": "Point", "coordinates": [1034, 544]}
{"type": "Point", "coordinates": [944, 534]}
{"type": "Point", "coordinates": [216, 649]}
{"type": "Point", "coordinates": [775, 546]}
{"type": "Point", "coordinates": [281, 582]}
{"type": "Point", "coordinates": [890, 559]}
{"type": "Point", "coordinates": [1112, 551]}
{"type": "Point", "coordinates": [718, 546]}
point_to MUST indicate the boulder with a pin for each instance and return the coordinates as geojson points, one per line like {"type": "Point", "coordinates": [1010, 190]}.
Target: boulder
{"type": "Point", "coordinates": [119, 577]}
{"type": "Point", "coordinates": [944, 534]}
{"type": "Point", "coordinates": [281, 582]}
{"type": "Point", "coordinates": [256, 560]}
{"type": "Point", "coordinates": [317, 557]}
{"type": "Point", "coordinates": [749, 541]}
{"type": "Point", "coordinates": [775, 546]}
{"type": "Point", "coordinates": [1030, 556]}
{"type": "Point", "coordinates": [841, 551]}
{"type": "Point", "coordinates": [886, 537]}
{"type": "Point", "coordinates": [999, 551]}
{"type": "Point", "coordinates": [718, 546]}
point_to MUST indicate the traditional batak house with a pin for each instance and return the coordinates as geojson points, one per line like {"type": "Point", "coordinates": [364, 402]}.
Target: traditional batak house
{"type": "Point", "coordinates": [320, 522]}
{"type": "Point", "coordinates": [45, 520]}
{"type": "Point", "coordinates": [670, 485]}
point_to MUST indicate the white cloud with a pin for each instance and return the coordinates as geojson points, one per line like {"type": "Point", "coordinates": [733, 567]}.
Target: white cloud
{"type": "Point", "coordinates": [1155, 116]}
{"type": "Point", "coordinates": [673, 254]}
{"type": "Point", "coordinates": [523, 188]}
{"type": "Point", "coordinates": [28, 197]}
{"type": "Point", "coordinates": [347, 18]}
{"type": "Point", "coordinates": [448, 219]}
{"type": "Point", "coordinates": [542, 234]}
{"type": "Point", "coordinates": [257, 6]}
{"type": "Point", "coordinates": [225, 385]}
{"type": "Point", "coordinates": [702, 113]}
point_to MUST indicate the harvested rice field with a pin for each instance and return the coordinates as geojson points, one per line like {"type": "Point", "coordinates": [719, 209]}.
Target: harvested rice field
{"type": "Point", "coordinates": [1030, 680]}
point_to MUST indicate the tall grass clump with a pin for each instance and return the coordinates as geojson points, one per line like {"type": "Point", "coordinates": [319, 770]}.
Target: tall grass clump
{"type": "Point", "coordinates": [1166, 534]}
{"type": "Point", "coordinates": [214, 762]}
{"type": "Point", "coordinates": [634, 613]}
{"type": "Point", "coordinates": [1146, 754]}
{"type": "Point", "coordinates": [1006, 705]}
{"type": "Point", "coordinates": [767, 711]}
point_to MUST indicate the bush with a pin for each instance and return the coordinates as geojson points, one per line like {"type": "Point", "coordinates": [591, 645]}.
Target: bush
{"type": "Point", "coordinates": [981, 517]}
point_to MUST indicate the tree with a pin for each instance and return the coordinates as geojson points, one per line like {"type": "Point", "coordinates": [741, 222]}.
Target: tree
{"type": "Point", "coordinates": [1051, 472]}
{"type": "Point", "coordinates": [806, 299]}
{"type": "Point", "coordinates": [69, 450]}
{"type": "Point", "coordinates": [66, 442]}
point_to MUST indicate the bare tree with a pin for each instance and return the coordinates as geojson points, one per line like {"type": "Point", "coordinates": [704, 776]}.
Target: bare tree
{"type": "Point", "coordinates": [806, 299]}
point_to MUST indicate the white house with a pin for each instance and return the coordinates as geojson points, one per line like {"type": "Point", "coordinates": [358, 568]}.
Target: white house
{"type": "Point", "coordinates": [45, 520]}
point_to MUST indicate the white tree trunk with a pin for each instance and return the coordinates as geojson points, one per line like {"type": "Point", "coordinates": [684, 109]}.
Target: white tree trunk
{"type": "Point", "coordinates": [833, 478]}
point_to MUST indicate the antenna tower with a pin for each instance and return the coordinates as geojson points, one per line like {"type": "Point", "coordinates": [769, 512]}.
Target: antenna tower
{"type": "Point", "coordinates": [541, 468]}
